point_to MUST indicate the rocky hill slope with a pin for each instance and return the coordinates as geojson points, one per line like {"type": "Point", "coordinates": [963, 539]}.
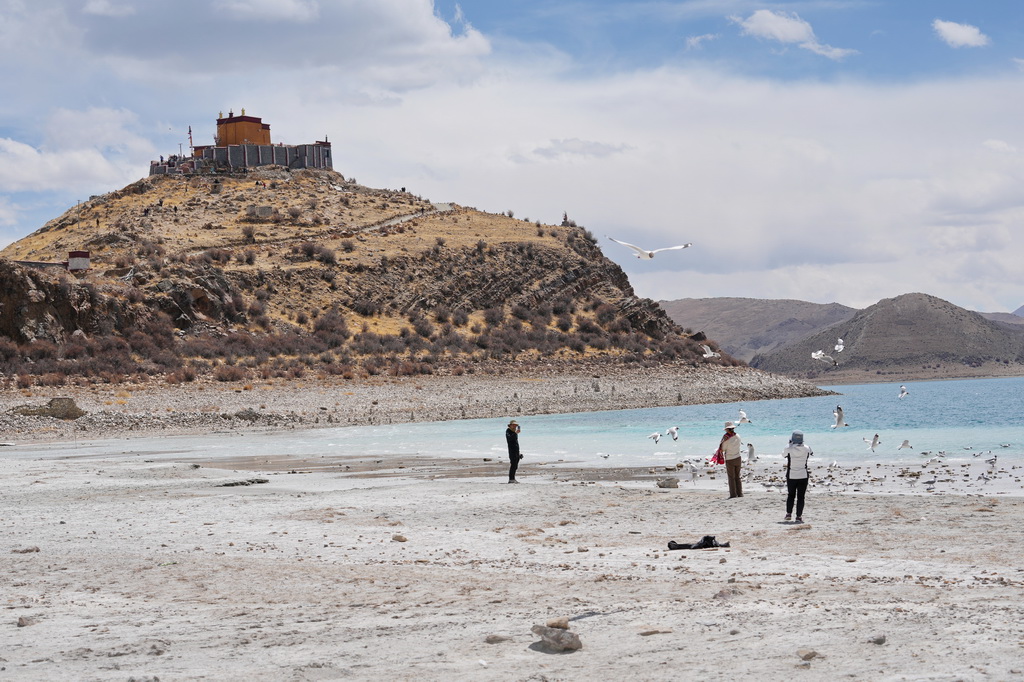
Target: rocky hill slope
{"type": "Point", "coordinates": [912, 336]}
{"type": "Point", "coordinates": [277, 273]}
{"type": "Point", "coordinates": [746, 327]}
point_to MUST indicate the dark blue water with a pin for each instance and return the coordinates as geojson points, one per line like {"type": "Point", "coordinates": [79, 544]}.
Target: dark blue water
{"type": "Point", "coordinates": [961, 417]}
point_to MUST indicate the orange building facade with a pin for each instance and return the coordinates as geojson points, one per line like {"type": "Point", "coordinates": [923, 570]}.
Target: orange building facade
{"type": "Point", "coordinates": [242, 130]}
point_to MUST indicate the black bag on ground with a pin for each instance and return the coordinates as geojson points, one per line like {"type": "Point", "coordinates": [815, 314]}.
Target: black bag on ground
{"type": "Point", "coordinates": [706, 542]}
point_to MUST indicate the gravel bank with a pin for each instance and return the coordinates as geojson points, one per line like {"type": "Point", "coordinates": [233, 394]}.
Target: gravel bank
{"type": "Point", "coordinates": [142, 410]}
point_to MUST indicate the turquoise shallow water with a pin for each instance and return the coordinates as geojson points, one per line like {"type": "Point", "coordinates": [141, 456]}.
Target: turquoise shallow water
{"type": "Point", "coordinates": [960, 417]}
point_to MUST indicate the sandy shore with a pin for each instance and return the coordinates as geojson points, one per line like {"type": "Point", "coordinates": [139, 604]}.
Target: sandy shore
{"type": "Point", "coordinates": [136, 410]}
{"type": "Point", "coordinates": [122, 568]}
{"type": "Point", "coordinates": [118, 569]}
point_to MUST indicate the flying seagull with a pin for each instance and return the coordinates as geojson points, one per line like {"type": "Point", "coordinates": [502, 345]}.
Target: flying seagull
{"type": "Point", "coordinates": [903, 392]}
{"type": "Point", "coordinates": [743, 418]}
{"type": "Point", "coordinates": [838, 414]}
{"type": "Point", "coordinates": [644, 254]}
{"type": "Point", "coordinates": [840, 346]}
{"type": "Point", "coordinates": [820, 355]}
{"type": "Point", "coordinates": [873, 443]}
{"type": "Point", "coordinates": [708, 353]}
{"type": "Point", "coordinates": [674, 432]}
{"type": "Point", "coordinates": [905, 444]}
{"type": "Point", "coordinates": [656, 436]}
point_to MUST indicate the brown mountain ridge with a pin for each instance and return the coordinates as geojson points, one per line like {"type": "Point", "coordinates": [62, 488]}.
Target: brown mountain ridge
{"type": "Point", "coordinates": [913, 336]}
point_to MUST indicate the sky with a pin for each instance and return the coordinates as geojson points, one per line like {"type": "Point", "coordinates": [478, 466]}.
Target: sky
{"type": "Point", "coordinates": [822, 150]}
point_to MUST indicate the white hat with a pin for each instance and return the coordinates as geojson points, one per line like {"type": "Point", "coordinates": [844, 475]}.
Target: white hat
{"type": "Point", "coordinates": [730, 425]}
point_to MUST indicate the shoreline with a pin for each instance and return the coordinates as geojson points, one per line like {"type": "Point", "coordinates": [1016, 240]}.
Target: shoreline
{"type": "Point", "coordinates": [182, 409]}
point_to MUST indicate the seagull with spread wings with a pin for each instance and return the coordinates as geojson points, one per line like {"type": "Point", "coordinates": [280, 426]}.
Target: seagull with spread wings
{"type": "Point", "coordinates": [644, 254]}
{"type": "Point", "coordinates": [821, 355]}
{"type": "Point", "coordinates": [840, 418]}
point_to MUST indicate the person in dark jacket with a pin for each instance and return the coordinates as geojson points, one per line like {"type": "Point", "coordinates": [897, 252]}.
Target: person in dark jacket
{"type": "Point", "coordinates": [512, 438]}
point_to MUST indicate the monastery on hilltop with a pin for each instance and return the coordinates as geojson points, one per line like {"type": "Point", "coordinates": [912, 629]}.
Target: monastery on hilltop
{"type": "Point", "coordinates": [243, 142]}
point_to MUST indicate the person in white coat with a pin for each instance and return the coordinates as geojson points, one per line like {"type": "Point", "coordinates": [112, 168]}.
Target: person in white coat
{"type": "Point", "coordinates": [797, 474]}
{"type": "Point", "coordinates": [729, 446]}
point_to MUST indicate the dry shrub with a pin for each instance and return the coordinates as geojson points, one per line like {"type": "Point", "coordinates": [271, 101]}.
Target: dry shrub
{"type": "Point", "coordinates": [230, 373]}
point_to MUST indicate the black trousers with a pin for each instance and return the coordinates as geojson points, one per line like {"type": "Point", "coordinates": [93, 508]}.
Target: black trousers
{"type": "Point", "coordinates": [513, 464]}
{"type": "Point", "coordinates": [797, 488]}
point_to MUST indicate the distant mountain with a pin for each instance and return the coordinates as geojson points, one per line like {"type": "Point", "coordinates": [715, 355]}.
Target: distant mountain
{"type": "Point", "coordinates": [912, 336]}
{"type": "Point", "coordinates": [1005, 318]}
{"type": "Point", "coordinates": [1019, 311]}
{"type": "Point", "coordinates": [745, 327]}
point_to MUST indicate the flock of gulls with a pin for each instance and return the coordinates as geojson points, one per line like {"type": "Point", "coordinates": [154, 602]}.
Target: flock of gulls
{"type": "Point", "coordinates": [837, 477]}
{"type": "Point", "coordinates": [952, 475]}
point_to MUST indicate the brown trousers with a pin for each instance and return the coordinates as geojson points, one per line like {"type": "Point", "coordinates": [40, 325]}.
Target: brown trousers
{"type": "Point", "coordinates": [732, 468]}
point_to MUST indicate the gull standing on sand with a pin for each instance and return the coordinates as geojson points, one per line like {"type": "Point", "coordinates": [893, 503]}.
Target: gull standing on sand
{"type": "Point", "coordinates": [840, 421]}
{"type": "Point", "coordinates": [873, 443]}
{"type": "Point", "coordinates": [903, 392]}
{"type": "Point", "coordinates": [644, 254]}
{"type": "Point", "coordinates": [751, 456]}
{"type": "Point", "coordinates": [656, 436]}
{"type": "Point", "coordinates": [674, 432]}
{"type": "Point", "coordinates": [708, 353]}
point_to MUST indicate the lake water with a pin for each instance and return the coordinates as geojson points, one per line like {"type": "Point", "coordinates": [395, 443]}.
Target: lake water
{"type": "Point", "coordinates": [960, 417]}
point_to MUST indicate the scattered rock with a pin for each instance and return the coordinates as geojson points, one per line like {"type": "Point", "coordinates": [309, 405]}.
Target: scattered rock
{"type": "Point", "coordinates": [877, 639]}
{"type": "Point", "coordinates": [24, 550]}
{"type": "Point", "coordinates": [560, 623]}
{"type": "Point", "coordinates": [670, 482]}
{"type": "Point", "coordinates": [398, 538]}
{"type": "Point", "coordinates": [25, 621]}
{"type": "Point", "coordinates": [248, 481]}
{"type": "Point", "coordinates": [248, 414]}
{"type": "Point", "coordinates": [806, 654]}
{"type": "Point", "coordinates": [58, 408]}
{"type": "Point", "coordinates": [654, 631]}
{"type": "Point", "coordinates": [556, 639]}
{"type": "Point", "coordinates": [496, 639]}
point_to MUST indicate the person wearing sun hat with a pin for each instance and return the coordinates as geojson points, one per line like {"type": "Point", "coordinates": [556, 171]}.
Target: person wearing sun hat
{"type": "Point", "coordinates": [730, 449]}
{"type": "Point", "coordinates": [512, 438]}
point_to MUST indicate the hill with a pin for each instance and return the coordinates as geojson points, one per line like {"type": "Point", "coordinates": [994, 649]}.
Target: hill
{"type": "Point", "coordinates": [745, 327]}
{"type": "Point", "coordinates": [276, 273]}
{"type": "Point", "coordinates": [913, 336]}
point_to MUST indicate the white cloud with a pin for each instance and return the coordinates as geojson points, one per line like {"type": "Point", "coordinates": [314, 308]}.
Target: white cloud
{"type": "Point", "coordinates": [82, 150]}
{"type": "Point", "coordinates": [1000, 146]}
{"type": "Point", "coordinates": [8, 212]}
{"type": "Point", "coordinates": [697, 42]}
{"type": "Point", "coordinates": [959, 35]}
{"type": "Point", "coordinates": [863, 182]}
{"type": "Point", "coordinates": [106, 8]}
{"type": "Point", "coordinates": [575, 147]}
{"type": "Point", "coordinates": [788, 28]}
{"type": "Point", "coordinates": [298, 11]}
